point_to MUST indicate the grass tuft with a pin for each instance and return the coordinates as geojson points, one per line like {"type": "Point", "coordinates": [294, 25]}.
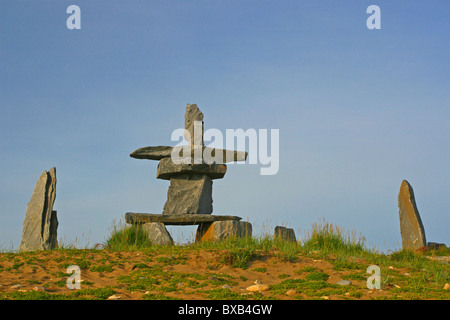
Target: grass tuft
{"type": "Point", "coordinates": [332, 239]}
{"type": "Point", "coordinates": [128, 237]}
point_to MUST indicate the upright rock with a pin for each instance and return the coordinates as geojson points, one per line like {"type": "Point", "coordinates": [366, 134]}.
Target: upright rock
{"type": "Point", "coordinates": [189, 194]}
{"type": "Point", "coordinates": [283, 233]}
{"type": "Point", "coordinates": [193, 115]}
{"type": "Point", "coordinates": [411, 228]}
{"type": "Point", "coordinates": [41, 223]}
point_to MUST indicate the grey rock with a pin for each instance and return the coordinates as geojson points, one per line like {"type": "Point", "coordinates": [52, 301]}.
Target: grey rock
{"type": "Point", "coordinates": [221, 230]}
{"type": "Point", "coordinates": [41, 222]}
{"type": "Point", "coordinates": [157, 233]}
{"type": "Point", "coordinates": [200, 154]}
{"type": "Point", "coordinates": [189, 194]}
{"type": "Point", "coordinates": [284, 233]}
{"type": "Point", "coordinates": [152, 153]}
{"type": "Point", "coordinates": [411, 228]}
{"type": "Point", "coordinates": [192, 116]}
{"type": "Point", "coordinates": [16, 286]}
{"type": "Point", "coordinates": [344, 283]}
{"type": "Point", "coordinates": [177, 220]}
{"type": "Point", "coordinates": [218, 156]}
{"type": "Point", "coordinates": [435, 246]}
{"type": "Point", "coordinates": [167, 169]}
{"type": "Point", "coordinates": [39, 289]}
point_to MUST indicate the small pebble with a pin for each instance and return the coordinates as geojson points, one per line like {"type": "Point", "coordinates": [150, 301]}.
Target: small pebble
{"type": "Point", "coordinates": [291, 292]}
{"type": "Point", "coordinates": [447, 286]}
{"type": "Point", "coordinates": [16, 286]}
{"type": "Point", "coordinates": [258, 287]}
{"type": "Point", "coordinates": [344, 283]}
{"type": "Point", "coordinates": [114, 297]}
{"type": "Point", "coordinates": [40, 289]}
{"type": "Point", "coordinates": [225, 286]}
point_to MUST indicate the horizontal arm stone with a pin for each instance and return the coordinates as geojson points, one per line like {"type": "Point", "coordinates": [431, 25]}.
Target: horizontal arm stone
{"type": "Point", "coordinates": [152, 153]}
{"type": "Point", "coordinates": [160, 152]}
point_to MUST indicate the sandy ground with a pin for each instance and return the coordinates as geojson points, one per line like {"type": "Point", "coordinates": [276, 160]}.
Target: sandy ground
{"type": "Point", "coordinates": [26, 272]}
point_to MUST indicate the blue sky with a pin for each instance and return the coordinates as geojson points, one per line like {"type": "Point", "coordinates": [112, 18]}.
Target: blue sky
{"type": "Point", "coordinates": [358, 110]}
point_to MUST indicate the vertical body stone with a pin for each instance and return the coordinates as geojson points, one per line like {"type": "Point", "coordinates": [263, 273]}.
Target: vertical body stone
{"type": "Point", "coordinates": [189, 194]}
{"type": "Point", "coordinates": [411, 228]}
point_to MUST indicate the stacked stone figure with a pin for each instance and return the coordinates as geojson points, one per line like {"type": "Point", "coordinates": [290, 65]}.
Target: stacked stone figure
{"type": "Point", "coordinates": [191, 170]}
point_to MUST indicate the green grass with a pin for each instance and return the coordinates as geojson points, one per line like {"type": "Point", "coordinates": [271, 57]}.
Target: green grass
{"type": "Point", "coordinates": [317, 276]}
{"type": "Point", "coordinates": [128, 237]}
{"type": "Point", "coordinates": [329, 238]}
{"type": "Point", "coordinates": [104, 268]}
{"type": "Point", "coordinates": [238, 258]}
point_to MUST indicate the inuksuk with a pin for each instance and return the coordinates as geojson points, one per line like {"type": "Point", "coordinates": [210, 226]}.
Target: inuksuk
{"type": "Point", "coordinates": [191, 170]}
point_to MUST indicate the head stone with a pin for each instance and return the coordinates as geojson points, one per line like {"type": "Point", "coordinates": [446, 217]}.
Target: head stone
{"type": "Point", "coordinates": [193, 119]}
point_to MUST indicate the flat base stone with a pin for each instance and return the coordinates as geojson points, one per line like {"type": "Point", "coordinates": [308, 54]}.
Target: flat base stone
{"type": "Point", "coordinates": [177, 220]}
{"type": "Point", "coordinates": [221, 230]}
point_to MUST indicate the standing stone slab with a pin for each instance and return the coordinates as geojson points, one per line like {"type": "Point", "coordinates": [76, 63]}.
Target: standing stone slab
{"type": "Point", "coordinates": [284, 233]}
{"type": "Point", "coordinates": [41, 223]}
{"type": "Point", "coordinates": [411, 228]}
{"type": "Point", "coordinates": [221, 230]}
{"type": "Point", "coordinates": [157, 233]}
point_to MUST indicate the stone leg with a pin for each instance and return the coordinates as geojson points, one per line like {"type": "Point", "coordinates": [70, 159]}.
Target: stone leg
{"type": "Point", "coordinates": [189, 194]}
{"type": "Point", "coordinates": [157, 233]}
{"type": "Point", "coordinates": [220, 230]}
